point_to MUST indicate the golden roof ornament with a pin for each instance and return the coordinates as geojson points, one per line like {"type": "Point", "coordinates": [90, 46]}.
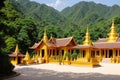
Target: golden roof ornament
{"type": "Point", "coordinates": [51, 36]}
{"type": "Point", "coordinates": [45, 38]}
{"type": "Point", "coordinates": [27, 56]}
{"type": "Point", "coordinates": [17, 49]}
{"type": "Point", "coordinates": [87, 41]}
{"type": "Point", "coordinates": [112, 35]}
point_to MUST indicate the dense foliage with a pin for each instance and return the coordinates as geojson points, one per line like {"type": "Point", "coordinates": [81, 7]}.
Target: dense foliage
{"type": "Point", "coordinates": [5, 66]}
{"type": "Point", "coordinates": [23, 22]}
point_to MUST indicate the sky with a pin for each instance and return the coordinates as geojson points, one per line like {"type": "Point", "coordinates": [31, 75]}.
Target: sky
{"type": "Point", "coordinates": [61, 4]}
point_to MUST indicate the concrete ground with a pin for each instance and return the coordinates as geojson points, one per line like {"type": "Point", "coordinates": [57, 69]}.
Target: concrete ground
{"type": "Point", "coordinates": [107, 71]}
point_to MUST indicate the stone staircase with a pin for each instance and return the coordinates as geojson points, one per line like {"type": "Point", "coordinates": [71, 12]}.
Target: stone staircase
{"type": "Point", "coordinates": [106, 60]}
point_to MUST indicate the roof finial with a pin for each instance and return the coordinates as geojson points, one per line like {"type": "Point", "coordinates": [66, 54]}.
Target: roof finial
{"type": "Point", "coordinates": [87, 31]}
{"type": "Point", "coordinates": [45, 32]}
{"type": "Point", "coordinates": [113, 22]}
{"type": "Point", "coordinates": [87, 41]}
{"type": "Point", "coordinates": [27, 56]}
{"type": "Point", "coordinates": [45, 38]}
{"type": "Point", "coordinates": [112, 35]}
{"type": "Point", "coordinates": [17, 49]}
{"type": "Point", "coordinates": [51, 36]}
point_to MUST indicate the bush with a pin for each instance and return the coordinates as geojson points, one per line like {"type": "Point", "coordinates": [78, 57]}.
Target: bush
{"type": "Point", "coordinates": [5, 66]}
{"type": "Point", "coordinates": [74, 56]}
{"type": "Point", "coordinates": [68, 56]}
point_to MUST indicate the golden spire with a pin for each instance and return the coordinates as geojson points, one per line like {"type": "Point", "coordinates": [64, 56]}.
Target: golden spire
{"type": "Point", "coordinates": [112, 35]}
{"type": "Point", "coordinates": [45, 38]}
{"type": "Point", "coordinates": [87, 41]}
{"type": "Point", "coordinates": [17, 49]}
{"type": "Point", "coordinates": [51, 36]}
{"type": "Point", "coordinates": [27, 56]}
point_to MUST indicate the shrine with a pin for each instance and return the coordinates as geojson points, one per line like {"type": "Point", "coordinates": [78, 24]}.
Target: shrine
{"type": "Point", "coordinates": [16, 56]}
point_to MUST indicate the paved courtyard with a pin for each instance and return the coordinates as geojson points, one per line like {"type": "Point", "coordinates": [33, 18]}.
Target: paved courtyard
{"type": "Point", "coordinates": [107, 71]}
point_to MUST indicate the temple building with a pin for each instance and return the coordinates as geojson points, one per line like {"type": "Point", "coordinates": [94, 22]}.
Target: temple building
{"type": "Point", "coordinates": [63, 50]}
{"type": "Point", "coordinates": [109, 47]}
{"type": "Point", "coordinates": [86, 57]}
{"type": "Point", "coordinates": [48, 50]}
{"type": "Point", "coordinates": [16, 56]}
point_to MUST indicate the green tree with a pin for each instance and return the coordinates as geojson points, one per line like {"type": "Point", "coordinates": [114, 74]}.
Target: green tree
{"type": "Point", "coordinates": [10, 44]}
{"type": "Point", "coordinates": [5, 66]}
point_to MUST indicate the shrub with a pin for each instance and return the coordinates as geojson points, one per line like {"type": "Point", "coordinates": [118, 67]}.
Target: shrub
{"type": "Point", "coordinates": [68, 56]}
{"type": "Point", "coordinates": [5, 66]}
{"type": "Point", "coordinates": [74, 56]}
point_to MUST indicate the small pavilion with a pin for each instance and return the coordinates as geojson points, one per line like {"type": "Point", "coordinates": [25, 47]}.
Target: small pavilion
{"type": "Point", "coordinates": [16, 56]}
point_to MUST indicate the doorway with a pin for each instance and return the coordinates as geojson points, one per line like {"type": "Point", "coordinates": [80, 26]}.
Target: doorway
{"type": "Point", "coordinates": [110, 53]}
{"type": "Point", "coordinates": [19, 60]}
{"type": "Point", "coordinates": [43, 52]}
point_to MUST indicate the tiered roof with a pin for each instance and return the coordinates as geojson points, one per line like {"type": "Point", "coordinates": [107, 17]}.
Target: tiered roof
{"type": "Point", "coordinates": [55, 42]}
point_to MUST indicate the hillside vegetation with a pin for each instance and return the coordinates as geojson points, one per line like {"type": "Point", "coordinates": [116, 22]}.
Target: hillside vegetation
{"type": "Point", "coordinates": [23, 22]}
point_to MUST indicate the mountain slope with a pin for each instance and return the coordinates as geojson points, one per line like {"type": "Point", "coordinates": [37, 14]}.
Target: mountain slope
{"type": "Point", "coordinates": [42, 12]}
{"type": "Point", "coordinates": [88, 12]}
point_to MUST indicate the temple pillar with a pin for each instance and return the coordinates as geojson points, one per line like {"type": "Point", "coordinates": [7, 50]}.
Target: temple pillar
{"type": "Point", "coordinates": [107, 53]}
{"type": "Point", "coordinates": [46, 55]}
{"type": "Point", "coordinates": [40, 54]}
{"type": "Point", "coordinates": [55, 52]}
{"type": "Point", "coordinates": [114, 53]}
{"type": "Point", "coordinates": [90, 53]}
{"type": "Point", "coordinates": [87, 53]}
{"type": "Point", "coordinates": [118, 52]}
{"type": "Point", "coordinates": [95, 53]}
{"type": "Point", "coordinates": [65, 51]}
{"type": "Point", "coordinates": [100, 54]}
{"type": "Point", "coordinates": [104, 53]}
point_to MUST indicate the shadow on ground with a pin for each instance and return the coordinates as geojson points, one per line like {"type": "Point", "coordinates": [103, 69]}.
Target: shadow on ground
{"type": "Point", "coordinates": [40, 74]}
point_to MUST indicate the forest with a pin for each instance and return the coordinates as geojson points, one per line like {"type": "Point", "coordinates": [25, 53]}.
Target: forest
{"type": "Point", "coordinates": [23, 22]}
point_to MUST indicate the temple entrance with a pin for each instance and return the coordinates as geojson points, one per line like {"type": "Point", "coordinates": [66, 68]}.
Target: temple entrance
{"type": "Point", "coordinates": [19, 60]}
{"type": "Point", "coordinates": [62, 52]}
{"type": "Point", "coordinates": [43, 52]}
{"type": "Point", "coordinates": [93, 54]}
{"type": "Point", "coordinates": [110, 53]}
{"type": "Point", "coordinates": [84, 53]}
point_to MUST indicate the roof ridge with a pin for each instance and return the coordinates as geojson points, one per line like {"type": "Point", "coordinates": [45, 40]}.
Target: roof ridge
{"type": "Point", "coordinates": [63, 38]}
{"type": "Point", "coordinates": [69, 41]}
